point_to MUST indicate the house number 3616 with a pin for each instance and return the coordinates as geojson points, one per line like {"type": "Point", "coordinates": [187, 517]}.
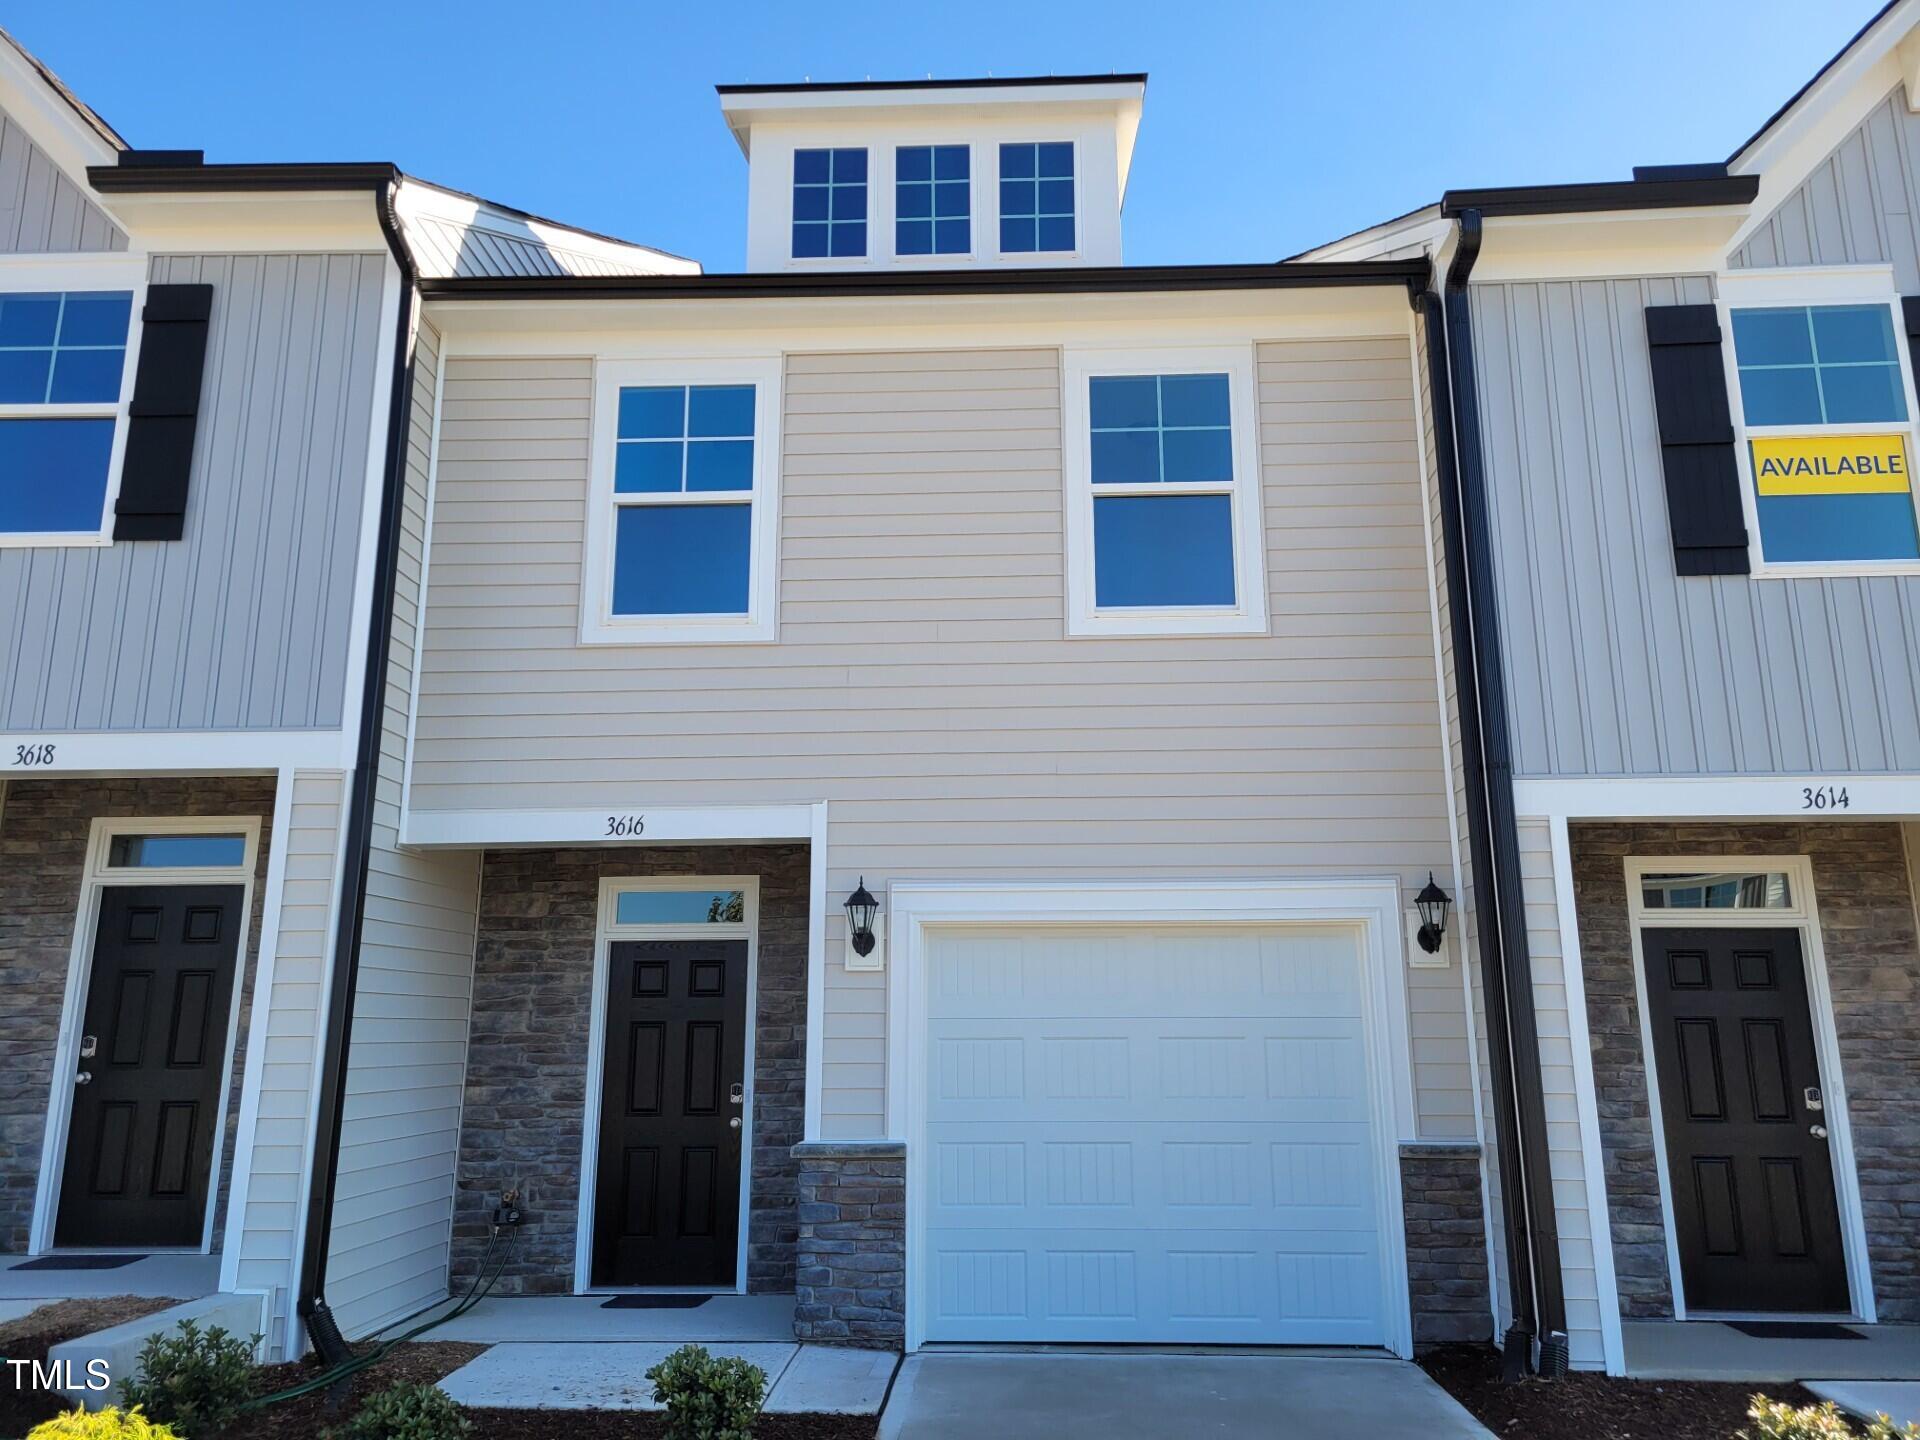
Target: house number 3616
{"type": "Point", "coordinates": [624, 826]}
{"type": "Point", "coordinates": [1824, 797]}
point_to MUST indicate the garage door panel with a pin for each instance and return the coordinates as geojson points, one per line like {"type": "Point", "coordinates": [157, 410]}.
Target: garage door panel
{"type": "Point", "coordinates": [1150, 1135]}
{"type": "Point", "coordinates": [1230, 1287]}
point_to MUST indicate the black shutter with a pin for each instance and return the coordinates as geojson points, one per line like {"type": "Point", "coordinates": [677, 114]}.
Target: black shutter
{"type": "Point", "coordinates": [166, 405]}
{"type": "Point", "coordinates": [1696, 440]}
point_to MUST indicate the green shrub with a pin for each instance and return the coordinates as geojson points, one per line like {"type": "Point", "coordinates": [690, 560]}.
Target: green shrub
{"type": "Point", "coordinates": [194, 1379]}
{"type": "Point", "coordinates": [1774, 1420]}
{"type": "Point", "coordinates": [109, 1424]}
{"type": "Point", "coordinates": [409, 1412]}
{"type": "Point", "coordinates": [708, 1398]}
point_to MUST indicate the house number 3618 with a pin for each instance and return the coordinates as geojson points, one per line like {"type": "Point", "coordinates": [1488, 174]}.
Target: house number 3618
{"type": "Point", "coordinates": [29, 756]}
{"type": "Point", "coordinates": [1824, 797]}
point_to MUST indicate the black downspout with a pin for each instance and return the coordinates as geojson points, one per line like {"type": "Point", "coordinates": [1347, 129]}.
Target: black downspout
{"type": "Point", "coordinates": [1520, 1118]}
{"type": "Point", "coordinates": [311, 1305]}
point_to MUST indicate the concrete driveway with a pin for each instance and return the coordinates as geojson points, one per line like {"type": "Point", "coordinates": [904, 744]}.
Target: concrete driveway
{"type": "Point", "coordinates": [949, 1395]}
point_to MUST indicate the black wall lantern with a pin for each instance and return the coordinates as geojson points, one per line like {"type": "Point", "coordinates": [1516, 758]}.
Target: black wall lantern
{"type": "Point", "coordinates": [861, 908]}
{"type": "Point", "coordinates": [1433, 903]}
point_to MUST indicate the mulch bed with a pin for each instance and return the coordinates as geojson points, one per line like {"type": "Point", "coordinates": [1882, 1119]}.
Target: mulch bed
{"type": "Point", "coordinates": [424, 1362]}
{"type": "Point", "coordinates": [35, 1333]}
{"type": "Point", "coordinates": [1586, 1406]}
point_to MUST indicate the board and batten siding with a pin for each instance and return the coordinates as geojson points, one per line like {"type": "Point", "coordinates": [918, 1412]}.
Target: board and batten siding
{"type": "Point", "coordinates": [1616, 665]}
{"type": "Point", "coordinates": [1860, 206]}
{"type": "Point", "coordinates": [245, 623]}
{"type": "Point", "coordinates": [42, 210]}
{"type": "Point", "coordinates": [923, 684]}
{"type": "Point", "coordinates": [269, 1223]}
{"type": "Point", "coordinates": [406, 1068]}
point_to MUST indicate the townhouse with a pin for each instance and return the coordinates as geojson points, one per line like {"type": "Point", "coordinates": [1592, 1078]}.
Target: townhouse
{"type": "Point", "coordinates": [1684, 410]}
{"type": "Point", "coordinates": [1009, 796]}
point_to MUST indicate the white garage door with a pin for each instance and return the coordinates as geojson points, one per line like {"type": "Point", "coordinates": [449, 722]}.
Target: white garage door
{"type": "Point", "coordinates": [1149, 1135]}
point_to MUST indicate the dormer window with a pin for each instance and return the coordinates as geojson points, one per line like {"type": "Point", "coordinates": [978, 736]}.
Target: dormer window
{"type": "Point", "coordinates": [1036, 198]}
{"type": "Point", "coordinates": [932, 200]}
{"type": "Point", "coordinates": [829, 204]}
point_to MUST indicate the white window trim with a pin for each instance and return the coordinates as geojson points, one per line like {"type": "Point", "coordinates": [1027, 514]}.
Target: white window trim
{"type": "Point", "coordinates": [96, 876]}
{"type": "Point", "coordinates": [1248, 616]}
{"type": "Point", "coordinates": [1788, 289]}
{"type": "Point", "coordinates": [836, 262]}
{"type": "Point", "coordinates": [938, 260]}
{"type": "Point", "coordinates": [760, 625]}
{"type": "Point", "coordinates": [1039, 257]}
{"type": "Point", "coordinates": [607, 930]}
{"type": "Point", "coordinates": [112, 270]}
{"type": "Point", "coordinates": [1803, 916]}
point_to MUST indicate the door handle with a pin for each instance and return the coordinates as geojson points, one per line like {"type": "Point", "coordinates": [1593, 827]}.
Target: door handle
{"type": "Point", "coordinates": [1819, 1132]}
{"type": "Point", "coordinates": [87, 1046]}
{"type": "Point", "coordinates": [736, 1093]}
{"type": "Point", "coordinates": [734, 1123]}
{"type": "Point", "coordinates": [1814, 1102]}
{"type": "Point", "coordinates": [85, 1077]}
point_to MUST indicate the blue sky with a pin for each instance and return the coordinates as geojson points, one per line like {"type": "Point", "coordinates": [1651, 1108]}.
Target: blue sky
{"type": "Point", "coordinates": [1269, 126]}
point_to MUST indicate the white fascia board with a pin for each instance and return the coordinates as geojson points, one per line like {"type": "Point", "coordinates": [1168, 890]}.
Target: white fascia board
{"type": "Point", "coordinates": [50, 121]}
{"type": "Point", "coordinates": [619, 825]}
{"type": "Point", "coordinates": [1684, 240]}
{"type": "Point", "coordinates": [1812, 110]}
{"type": "Point", "coordinates": [192, 222]}
{"type": "Point", "coordinates": [804, 323]}
{"type": "Point", "coordinates": [175, 752]}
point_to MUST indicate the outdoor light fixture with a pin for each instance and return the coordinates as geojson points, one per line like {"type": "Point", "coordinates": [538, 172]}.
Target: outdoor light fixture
{"type": "Point", "coordinates": [861, 908]}
{"type": "Point", "coordinates": [1433, 903]}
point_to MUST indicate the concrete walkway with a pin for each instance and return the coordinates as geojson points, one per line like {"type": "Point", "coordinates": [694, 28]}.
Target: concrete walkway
{"type": "Point", "coordinates": [1023, 1396]}
{"type": "Point", "coordinates": [1709, 1350]}
{"type": "Point", "coordinates": [175, 1276]}
{"type": "Point", "coordinates": [612, 1375]}
{"type": "Point", "coordinates": [734, 1319]}
{"type": "Point", "coordinates": [1899, 1400]}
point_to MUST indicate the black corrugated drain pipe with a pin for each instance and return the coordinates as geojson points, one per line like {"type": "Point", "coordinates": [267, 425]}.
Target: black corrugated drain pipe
{"type": "Point", "coordinates": [337, 1040]}
{"type": "Point", "coordinates": [1520, 1129]}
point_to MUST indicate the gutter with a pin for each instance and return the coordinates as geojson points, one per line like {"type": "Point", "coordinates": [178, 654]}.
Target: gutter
{"type": "Point", "coordinates": [1664, 188]}
{"type": "Point", "coordinates": [1535, 1284]}
{"type": "Point", "coordinates": [888, 284]}
{"type": "Point", "coordinates": [311, 1304]}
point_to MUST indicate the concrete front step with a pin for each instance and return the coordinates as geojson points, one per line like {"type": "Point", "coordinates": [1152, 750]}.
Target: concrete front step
{"type": "Point", "coordinates": [120, 1345]}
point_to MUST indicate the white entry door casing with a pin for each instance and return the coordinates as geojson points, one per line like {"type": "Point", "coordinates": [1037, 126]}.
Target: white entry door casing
{"type": "Point", "coordinates": [1150, 1134]}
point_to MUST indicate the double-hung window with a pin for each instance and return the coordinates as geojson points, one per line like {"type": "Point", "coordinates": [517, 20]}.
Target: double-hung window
{"type": "Point", "coordinates": [932, 200]}
{"type": "Point", "coordinates": [1036, 198]}
{"type": "Point", "coordinates": [62, 383]}
{"type": "Point", "coordinates": [829, 204]}
{"type": "Point", "coordinates": [1163, 493]}
{"type": "Point", "coordinates": [1823, 402]}
{"type": "Point", "coordinates": [680, 542]}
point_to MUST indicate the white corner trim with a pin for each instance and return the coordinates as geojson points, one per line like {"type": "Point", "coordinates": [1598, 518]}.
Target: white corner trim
{"type": "Point", "coordinates": [615, 825]}
{"type": "Point", "coordinates": [608, 929]}
{"type": "Point", "coordinates": [1586, 1101]}
{"type": "Point", "coordinates": [97, 876]}
{"type": "Point", "coordinates": [598, 624]}
{"type": "Point", "coordinates": [423, 589]}
{"type": "Point", "coordinates": [1802, 916]}
{"type": "Point", "coordinates": [1248, 615]}
{"type": "Point", "coordinates": [252, 1078]}
{"type": "Point", "coordinates": [1372, 905]}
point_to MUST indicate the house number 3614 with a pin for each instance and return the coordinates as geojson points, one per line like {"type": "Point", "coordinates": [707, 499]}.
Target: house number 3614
{"type": "Point", "coordinates": [1824, 797]}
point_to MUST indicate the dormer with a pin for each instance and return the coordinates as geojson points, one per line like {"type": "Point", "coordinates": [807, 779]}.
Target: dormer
{"type": "Point", "coordinates": [936, 174]}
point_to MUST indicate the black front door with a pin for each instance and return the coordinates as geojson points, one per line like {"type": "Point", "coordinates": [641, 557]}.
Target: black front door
{"type": "Point", "coordinates": [1740, 1096]}
{"type": "Point", "coordinates": [146, 1097]}
{"type": "Point", "coordinates": [667, 1201]}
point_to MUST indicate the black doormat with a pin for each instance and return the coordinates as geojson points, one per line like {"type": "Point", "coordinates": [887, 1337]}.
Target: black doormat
{"type": "Point", "coordinates": [1794, 1330]}
{"type": "Point", "coordinates": [79, 1262]}
{"type": "Point", "coordinates": [656, 1302]}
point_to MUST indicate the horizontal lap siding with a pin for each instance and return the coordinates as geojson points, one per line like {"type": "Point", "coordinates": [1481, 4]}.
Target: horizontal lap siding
{"type": "Point", "coordinates": [276, 1189]}
{"type": "Point", "coordinates": [923, 683]}
{"type": "Point", "coordinates": [399, 1137]}
{"type": "Point", "coordinates": [245, 622]}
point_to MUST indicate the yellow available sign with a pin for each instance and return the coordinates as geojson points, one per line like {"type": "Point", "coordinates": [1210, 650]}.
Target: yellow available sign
{"type": "Point", "coordinates": [1830, 464]}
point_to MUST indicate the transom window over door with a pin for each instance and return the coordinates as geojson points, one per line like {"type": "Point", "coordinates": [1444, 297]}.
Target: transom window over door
{"type": "Point", "coordinates": [1164, 534]}
{"type": "Point", "coordinates": [680, 543]}
{"type": "Point", "coordinates": [62, 368]}
{"type": "Point", "coordinates": [1823, 399]}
